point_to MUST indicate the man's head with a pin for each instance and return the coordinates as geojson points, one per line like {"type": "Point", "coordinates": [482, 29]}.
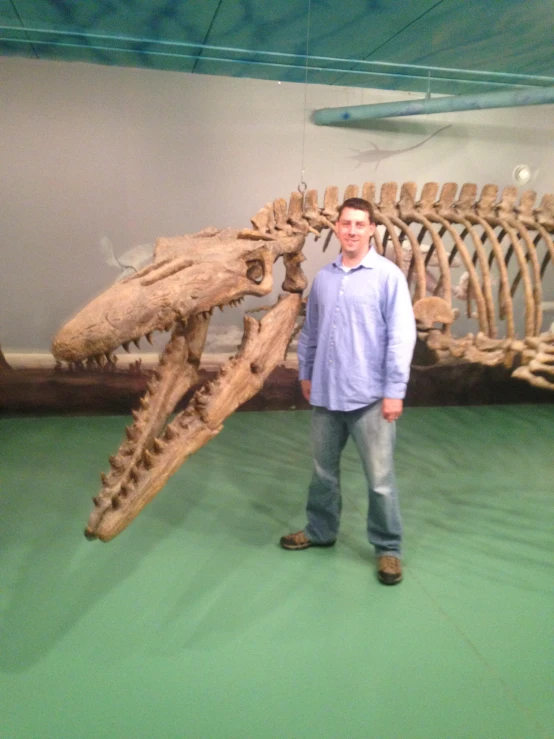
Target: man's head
{"type": "Point", "coordinates": [355, 227]}
{"type": "Point", "coordinates": [358, 204]}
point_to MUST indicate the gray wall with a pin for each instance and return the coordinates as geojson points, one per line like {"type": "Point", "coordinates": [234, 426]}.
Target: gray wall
{"type": "Point", "coordinates": [91, 152]}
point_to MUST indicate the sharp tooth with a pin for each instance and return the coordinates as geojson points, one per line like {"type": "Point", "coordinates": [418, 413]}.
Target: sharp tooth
{"type": "Point", "coordinates": [220, 308]}
{"type": "Point", "coordinates": [97, 501]}
{"type": "Point", "coordinates": [116, 463]}
{"type": "Point", "coordinates": [104, 479]}
{"type": "Point", "coordinates": [170, 433]}
{"type": "Point", "coordinates": [136, 342]}
{"type": "Point", "coordinates": [131, 433]}
{"type": "Point", "coordinates": [145, 403]}
{"type": "Point", "coordinates": [158, 445]}
{"type": "Point", "coordinates": [136, 415]}
{"type": "Point", "coordinates": [148, 459]}
{"type": "Point", "coordinates": [125, 345]}
{"type": "Point", "coordinates": [149, 337]}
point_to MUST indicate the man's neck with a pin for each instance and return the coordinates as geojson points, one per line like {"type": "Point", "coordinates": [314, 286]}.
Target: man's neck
{"type": "Point", "coordinates": [351, 262]}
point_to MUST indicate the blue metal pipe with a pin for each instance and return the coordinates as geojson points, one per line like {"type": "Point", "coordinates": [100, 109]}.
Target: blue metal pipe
{"type": "Point", "coordinates": [482, 101]}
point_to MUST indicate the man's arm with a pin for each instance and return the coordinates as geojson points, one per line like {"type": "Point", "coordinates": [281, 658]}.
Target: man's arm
{"type": "Point", "coordinates": [392, 409]}
{"type": "Point", "coordinates": [401, 337]}
{"type": "Point", "coordinates": [306, 388]}
{"type": "Point", "coordinates": [307, 344]}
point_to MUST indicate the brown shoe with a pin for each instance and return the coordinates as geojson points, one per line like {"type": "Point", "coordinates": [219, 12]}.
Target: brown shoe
{"type": "Point", "coordinates": [390, 570]}
{"type": "Point", "coordinates": [299, 540]}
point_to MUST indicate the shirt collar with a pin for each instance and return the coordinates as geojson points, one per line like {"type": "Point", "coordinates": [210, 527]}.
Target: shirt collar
{"type": "Point", "coordinates": [368, 261]}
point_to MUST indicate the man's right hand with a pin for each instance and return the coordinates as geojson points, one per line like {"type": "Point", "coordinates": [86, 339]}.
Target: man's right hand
{"type": "Point", "coordinates": [306, 387]}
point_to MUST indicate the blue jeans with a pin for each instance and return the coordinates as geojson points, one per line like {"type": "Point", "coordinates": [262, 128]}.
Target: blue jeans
{"type": "Point", "coordinates": [375, 439]}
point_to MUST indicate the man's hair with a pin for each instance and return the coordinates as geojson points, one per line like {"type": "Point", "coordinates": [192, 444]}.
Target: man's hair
{"type": "Point", "coordinates": [358, 204]}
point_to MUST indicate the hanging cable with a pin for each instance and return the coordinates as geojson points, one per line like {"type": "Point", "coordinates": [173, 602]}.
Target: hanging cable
{"type": "Point", "coordinates": [302, 186]}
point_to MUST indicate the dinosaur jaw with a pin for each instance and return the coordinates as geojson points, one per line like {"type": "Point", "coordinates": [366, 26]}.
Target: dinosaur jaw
{"type": "Point", "coordinates": [189, 277]}
{"type": "Point", "coordinates": [127, 312]}
{"type": "Point", "coordinates": [175, 374]}
{"type": "Point", "coordinates": [152, 451]}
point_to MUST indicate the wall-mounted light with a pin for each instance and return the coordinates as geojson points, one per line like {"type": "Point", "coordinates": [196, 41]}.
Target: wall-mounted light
{"type": "Point", "coordinates": [522, 174]}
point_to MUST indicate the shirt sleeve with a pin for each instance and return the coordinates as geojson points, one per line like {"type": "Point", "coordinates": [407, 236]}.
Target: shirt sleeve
{"type": "Point", "coordinates": [307, 341]}
{"type": "Point", "coordinates": [401, 336]}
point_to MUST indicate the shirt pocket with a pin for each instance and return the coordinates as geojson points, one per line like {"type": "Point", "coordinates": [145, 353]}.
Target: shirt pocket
{"type": "Point", "coordinates": [363, 306]}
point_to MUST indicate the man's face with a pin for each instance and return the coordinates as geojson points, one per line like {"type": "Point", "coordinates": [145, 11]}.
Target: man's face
{"type": "Point", "coordinates": [354, 232]}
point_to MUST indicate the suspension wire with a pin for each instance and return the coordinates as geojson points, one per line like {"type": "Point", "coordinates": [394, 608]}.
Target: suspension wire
{"type": "Point", "coordinates": [302, 186]}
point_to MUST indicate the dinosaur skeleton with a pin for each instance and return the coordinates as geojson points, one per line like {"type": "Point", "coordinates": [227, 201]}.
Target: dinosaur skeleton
{"type": "Point", "coordinates": [191, 275]}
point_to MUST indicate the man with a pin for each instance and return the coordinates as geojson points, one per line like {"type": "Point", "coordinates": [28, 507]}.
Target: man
{"type": "Point", "coordinates": [354, 356]}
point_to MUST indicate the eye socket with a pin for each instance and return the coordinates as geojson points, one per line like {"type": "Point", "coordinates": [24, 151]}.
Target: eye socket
{"type": "Point", "coordinates": [255, 271]}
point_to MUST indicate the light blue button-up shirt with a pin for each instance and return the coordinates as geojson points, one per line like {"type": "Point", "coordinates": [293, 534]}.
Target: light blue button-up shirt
{"type": "Point", "coordinates": [358, 338]}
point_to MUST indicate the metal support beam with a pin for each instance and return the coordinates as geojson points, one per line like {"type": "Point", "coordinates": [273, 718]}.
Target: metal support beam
{"type": "Point", "coordinates": [482, 101]}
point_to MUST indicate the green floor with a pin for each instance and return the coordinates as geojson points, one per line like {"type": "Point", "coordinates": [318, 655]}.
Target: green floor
{"type": "Point", "coordinates": [194, 624]}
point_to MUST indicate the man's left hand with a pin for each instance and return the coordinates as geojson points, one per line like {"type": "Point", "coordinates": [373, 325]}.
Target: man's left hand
{"type": "Point", "coordinates": [392, 409]}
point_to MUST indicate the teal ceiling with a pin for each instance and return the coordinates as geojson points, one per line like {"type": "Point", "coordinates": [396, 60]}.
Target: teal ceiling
{"type": "Point", "coordinates": [451, 46]}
